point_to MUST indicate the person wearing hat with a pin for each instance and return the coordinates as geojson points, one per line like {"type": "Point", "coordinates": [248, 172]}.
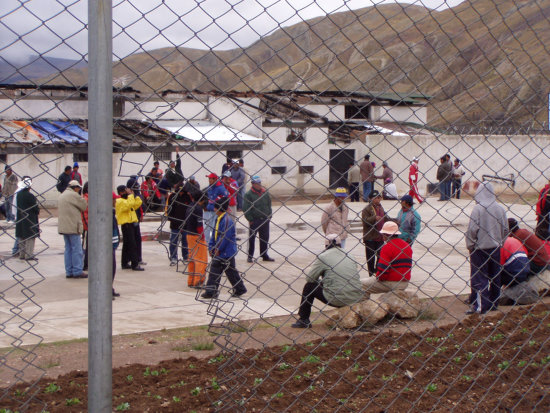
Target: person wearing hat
{"type": "Point", "coordinates": [70, 207]}
{"type": "Point", "coordinates": [125, 209]}
{"type": "Point", "coordinates": [75, 175]}
{"type": "Point", "coordinates": [257, 211]}
{"type": "Point", "coordinates": [232, 188]}
{"type": "Point", "coordinates": [408, 220]}
{"type": "Point", "coordinates": [413, 181]}
{"type": "Point", "coordinates": [223, 248]}
{"type": "Point", "coordinates": [10, 186]}
{"type": "Point", "coordinates": [26, 227]}
{"type": "Point", "coordinates": [215, 190]}
{"type": "Point", "coordinates": [238, 174]}
{"type": "Point", "coordinates": [64, 179]}
{"type": "Point", "coordinates": [333, 279]}
{"type": "Point", "coordinates": [335, 216]}
{"type": "Point", "coordinates": [373, 217]}
{"type": "Point", "coordinates": [393, 271]}
{"type": "Point", "coordinates": [387, 173]}
{"type": "Point", "coordinates": [444, 175]}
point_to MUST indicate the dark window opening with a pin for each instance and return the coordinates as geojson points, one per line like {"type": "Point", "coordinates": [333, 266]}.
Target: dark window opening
{"type": "Point", "coordinates": [80, 157]}
{"type": "Point", "coordinates": [296, 136]}
{"type": "Point", "coordinates": [234, 154]}
{"type": "Point", "coordinates": [3, 158]}
{"type": "Point", "coordinates": [357, 112]}
{"type": "Point", "coordinates": [163, 156]}
{"type": "Point", "coordinates": [118, 106]}
{"type": "Point", "coordinates": [278, 170]}
{"type": "Point", "coordinates": [305, 169]}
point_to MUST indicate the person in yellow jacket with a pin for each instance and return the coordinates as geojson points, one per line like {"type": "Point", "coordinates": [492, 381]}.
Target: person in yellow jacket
{"type": "Point", "coordinates": [125, 210]}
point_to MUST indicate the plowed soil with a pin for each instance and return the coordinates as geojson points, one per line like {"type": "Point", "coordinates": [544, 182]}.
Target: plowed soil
{"type": "Point", "coordinates": [496, 362]}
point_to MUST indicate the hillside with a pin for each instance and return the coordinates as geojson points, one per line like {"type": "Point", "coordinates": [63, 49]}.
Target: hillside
{"type": "Point", "coordinates": [484, 62]}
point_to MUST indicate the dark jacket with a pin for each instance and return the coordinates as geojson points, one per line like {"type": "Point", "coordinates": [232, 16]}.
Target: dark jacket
{"type": "Point", "coordinates": [63, 182]}
{"type": "Point", "coordinates": [174, 176]}
{"type": "Point", "coordinates": [257, 205]}
{"type": "Point", "coordinates": [193, 219]}
{"type": "Point", "coordinates": [223, 237]}
{"type": "Point", "coordinates": [27, 215]}
{"type": "Point", "coordinates": [177, 208]}
{"type": "Point", "coordinates": [445, 172]}
{"type": "Point", "coordinates": [372, 224]}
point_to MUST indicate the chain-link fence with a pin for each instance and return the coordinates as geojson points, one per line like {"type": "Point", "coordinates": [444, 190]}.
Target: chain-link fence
{"type": "Point", "coordinates": [392, 160]}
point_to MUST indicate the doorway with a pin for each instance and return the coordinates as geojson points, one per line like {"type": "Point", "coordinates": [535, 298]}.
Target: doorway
{"type": "Point", "coordinates": [339, 162]}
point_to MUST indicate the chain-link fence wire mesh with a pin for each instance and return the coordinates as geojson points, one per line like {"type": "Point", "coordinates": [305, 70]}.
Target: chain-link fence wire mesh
{"type": "Point", "coordinates": [302, 93]}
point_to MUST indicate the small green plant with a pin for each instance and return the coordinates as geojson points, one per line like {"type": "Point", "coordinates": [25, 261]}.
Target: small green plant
{"type": "Point", "coordinates": [467, 378]}
{"type": "Point", "coordinates": [524, 330]}
{"type": "Point", "coordinates": [476, 343]}
{"type": "Point", "coordinates": [388, 378]}
{"type": "Point", "coordinates": [441, 349]}
{"type": "Point", "coordinates": [287, 348]}
{"type": "Point", "coordinates": [393, 361]}
{"type": "Point", "coordinates": [129, 378]}
{"type": "Point", "coordinates": [457, 359]}
{"type": "Point", "coordinates": [191, 366]}
{"type": "Point", "coordinates": [480, 355]}
{"type": "Point", "coordinates": [176, 399]}
{"type": "Point", "coordinates": [417, 354]}
{"type": "Point", "coordinates": [324, 344]}
{"type": "Point", "coordinates": [157, 397]}
{"type": "Point", "coordinates": [217, 403]}
{"type": "Point", "coordinates": [355, 367]}
{"type": "Point", "coordinates": [342, 401]}
{"type": "Point", "coordinates": [498, 336]}
{"type": "Point", "coordinates": [532, 343]}
{"type": "Point", "coordinates": [311, 359]}
{"type": "Point", "coordinates": [372, 356]}
{"type": "Point", "coordinates": [311, 388]}
{"type": "Point", "coordinates": [431, 387]}
{"type": "Point", "coordinates": [278, 395]}
{"type": "Point", "coordinates": [433, 339]}
{"type": "Point", "coordinates": [469, 355]}
{"type": "Point", "coordinates": [504, 365]}
{"type": "Point", "coordinates": [407, 389]}
{"type": "Point", "coordinates": [122, 407]}
{"type": "Point", "coordinates": [321, 369]}
{"type": "Point", "coordinates": [347, 352]}
{"type": "Point", "coordinates": [522, 363]}
{"type": "Point", "coordinates": [360, 378]}
{"type": "Point", "coordinates": [52, 388]}
{"type": "Point", "coordinates": [72, 402]}
{"type": "Point", "coordinates": [215, 384]}
{"type": "Point", "coordinates": [203, 346]}
{"type": "Point", "coordinates": [196, 391]}
{"type": "Point", "coordinates": [258, 381]}
{"type": "Point", "coordinates": [545, 360]}
{"type": "Point", "coordinates": [309, 344]}
{"type": "Point", "coordinates": [468, 330]}
{"type": "Point", "coordinates": [217, 359]}
{"type": "Point", "coordinates": [284, 366]}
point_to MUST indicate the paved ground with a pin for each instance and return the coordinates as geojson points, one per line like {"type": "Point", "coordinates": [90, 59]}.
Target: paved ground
{"type": "Point", "coordinates": [159, 298]}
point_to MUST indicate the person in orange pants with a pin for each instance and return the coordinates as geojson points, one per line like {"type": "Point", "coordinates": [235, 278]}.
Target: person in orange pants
{"type": "Point", "coordinates": [198, 251]}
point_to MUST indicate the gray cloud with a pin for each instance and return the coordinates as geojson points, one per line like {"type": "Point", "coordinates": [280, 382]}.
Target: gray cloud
{"type": "Point", "coordinates": [57, 28]}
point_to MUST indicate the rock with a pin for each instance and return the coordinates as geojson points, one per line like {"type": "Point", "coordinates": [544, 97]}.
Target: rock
{"type": "Point", "coordinates": [349, 318]}
{"type": "Point", "coordinates": [371, 311]}
{"type": "Point", "coordinates": [333, 317]}
{"type": "Point", "coordinates": [402, 304]}
{"type": "Point", "coordinates": [540, 282]}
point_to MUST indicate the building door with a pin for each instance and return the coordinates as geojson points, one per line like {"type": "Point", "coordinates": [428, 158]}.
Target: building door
{"type": "Point", "coordinates": [339, 162]}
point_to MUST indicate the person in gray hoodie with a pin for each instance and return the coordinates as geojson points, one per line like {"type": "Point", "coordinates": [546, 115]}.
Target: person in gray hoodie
{"type": "Point", "coordinates": [485, 236]}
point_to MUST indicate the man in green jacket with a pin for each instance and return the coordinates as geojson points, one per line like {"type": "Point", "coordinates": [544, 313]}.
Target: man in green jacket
{"type": "Point", "coordinates": [257, 210]}
{"type": "Point", "coordinates": [333, 279]}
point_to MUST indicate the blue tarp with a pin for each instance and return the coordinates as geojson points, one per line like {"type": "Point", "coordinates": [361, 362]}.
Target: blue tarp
{"type": "Point", "coordinates": [56, 133]}
{"type": "Point", "coordinates": [72, 129]}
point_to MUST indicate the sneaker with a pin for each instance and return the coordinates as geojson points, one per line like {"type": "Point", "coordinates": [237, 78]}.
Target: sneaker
{"type": "Point", "coordinates": [115, 294]}
{"type": "Point", "coordinates": [126, 267]}
{"type": "Point", "coordinates": [269, 259]}
{"type": "Point", "coordinates": [173, 262]}
{"type": "Point", "coordinates": [301, 324]}
{"type": "Point", "coordinates": [209, 295]}
{"type": "Point", "coordinates": [82, 275]}
{"type": "Point", "coordinates": [138, 268]}
{"type": "Point", "coordinates": [249, 259]}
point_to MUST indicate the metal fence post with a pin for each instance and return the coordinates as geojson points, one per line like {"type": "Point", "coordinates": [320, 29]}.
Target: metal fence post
{"type": "Point", "coordinates": [100, 118]}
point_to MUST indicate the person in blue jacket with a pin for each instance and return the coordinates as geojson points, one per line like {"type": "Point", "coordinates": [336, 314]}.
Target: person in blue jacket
{"type": "Point", "coordinates": [223, 248]}
{"type": "Point", "coordinates": [408, 220]}
{"type": "Point", "coordinates": [215, 190]}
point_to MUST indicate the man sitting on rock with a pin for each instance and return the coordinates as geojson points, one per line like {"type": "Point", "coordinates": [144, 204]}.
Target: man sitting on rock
{"type": "Point", "coordinates": [393, 271]}
{"type": "Point", "coordinates": [333, 280]}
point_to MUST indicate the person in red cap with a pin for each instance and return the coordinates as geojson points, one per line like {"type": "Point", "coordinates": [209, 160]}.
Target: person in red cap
{"type": "Point", "coordinates": [214, 191]}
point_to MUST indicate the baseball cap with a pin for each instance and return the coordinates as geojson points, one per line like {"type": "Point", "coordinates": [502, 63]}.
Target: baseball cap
{"type": "Point", "coordinates": [341, 192]}
{"type": "Point", "coordinates": [408, 199]}
{"type": "Point", "coordinates": [374, 194]}
{"type": "Point", "coordinates": [75, 165]}
{"type": "Point", "coordinates": [227, 174]}
{"type": "Point", "coordinates": [74, 183]}
{"type": "Point", "coordinates": [390, 228]}
{"type": "Point", "coordinates": [212, 175]}
{"type": "Point", "coordinates": [256, 179]}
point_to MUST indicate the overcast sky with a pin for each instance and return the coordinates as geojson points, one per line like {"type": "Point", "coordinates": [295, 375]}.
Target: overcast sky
{"type": "Point", "coordinates": [56, 28]}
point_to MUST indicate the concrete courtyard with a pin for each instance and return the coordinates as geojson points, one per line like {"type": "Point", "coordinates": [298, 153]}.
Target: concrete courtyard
{"type": "Point", "coordinates": [38, 302]}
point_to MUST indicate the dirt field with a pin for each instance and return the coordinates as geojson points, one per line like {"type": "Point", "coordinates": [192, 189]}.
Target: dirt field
{"type": "Point", "coordinates": [498, 362]}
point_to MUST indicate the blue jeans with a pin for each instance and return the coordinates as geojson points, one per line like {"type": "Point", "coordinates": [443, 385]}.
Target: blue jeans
{"type": "Point", "coordinates": [240, 197]}
{"type": "Point", "coordinates": [9, 203]}
{"type": "Point", "coordinates": [74, 256]}
{"type": "Point", "coordinates": [209, 220]}
{"type": "Point", "coordinates": [15, 248]}
{"type": "Point", "coordinates": [175, 236]}
{"type": "Point", "coordinates": [367, 188]}
{"type": "Point", "coordinates": [445, 191]}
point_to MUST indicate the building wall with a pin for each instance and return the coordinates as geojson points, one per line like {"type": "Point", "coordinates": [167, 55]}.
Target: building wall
{"type": "Point", "coordinates": [414, 114]}
{"type": "Point", "coordinates": [157, 109]}
{"type": "Point", "coordinates": [236, 115]}
{"type": "Point", "coordinates": [27, 108]}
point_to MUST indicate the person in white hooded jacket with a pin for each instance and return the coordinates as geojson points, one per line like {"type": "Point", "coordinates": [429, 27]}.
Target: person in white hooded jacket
{"type": "Point", "coordinates": [485, 236]}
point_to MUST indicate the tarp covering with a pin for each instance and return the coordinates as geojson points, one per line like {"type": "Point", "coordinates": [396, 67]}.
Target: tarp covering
{"type": "Point", "coordinates": [19, 131]}
{"type": "Point", "coordinates": [72, 129]}
{"type": "Point", "coordinates": [55, 133]}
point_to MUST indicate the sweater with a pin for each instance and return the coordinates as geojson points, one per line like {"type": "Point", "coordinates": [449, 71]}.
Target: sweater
{"type": "Point", "coordinates": [257, 205]}
{"type": "Point", "coordinates": [395, 261]}
{"type": "Point", "coordinates": [488, 225]}
{"type": "Point", "coordinates": [335, 220]}
{"type": "Point", "coordinates": [340, 277]}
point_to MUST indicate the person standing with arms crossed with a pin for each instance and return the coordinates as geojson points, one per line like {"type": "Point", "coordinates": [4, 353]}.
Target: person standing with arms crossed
{"type": "Point", "coordinates": [257, 211]}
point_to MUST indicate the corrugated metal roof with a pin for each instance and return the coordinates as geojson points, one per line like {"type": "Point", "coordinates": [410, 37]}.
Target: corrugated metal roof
{"type": "Point", "coordinates": [205, 131]}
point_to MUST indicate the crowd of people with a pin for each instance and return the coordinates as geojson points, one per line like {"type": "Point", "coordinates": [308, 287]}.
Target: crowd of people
{"type": "Point", "coordinates": [203, 232]}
